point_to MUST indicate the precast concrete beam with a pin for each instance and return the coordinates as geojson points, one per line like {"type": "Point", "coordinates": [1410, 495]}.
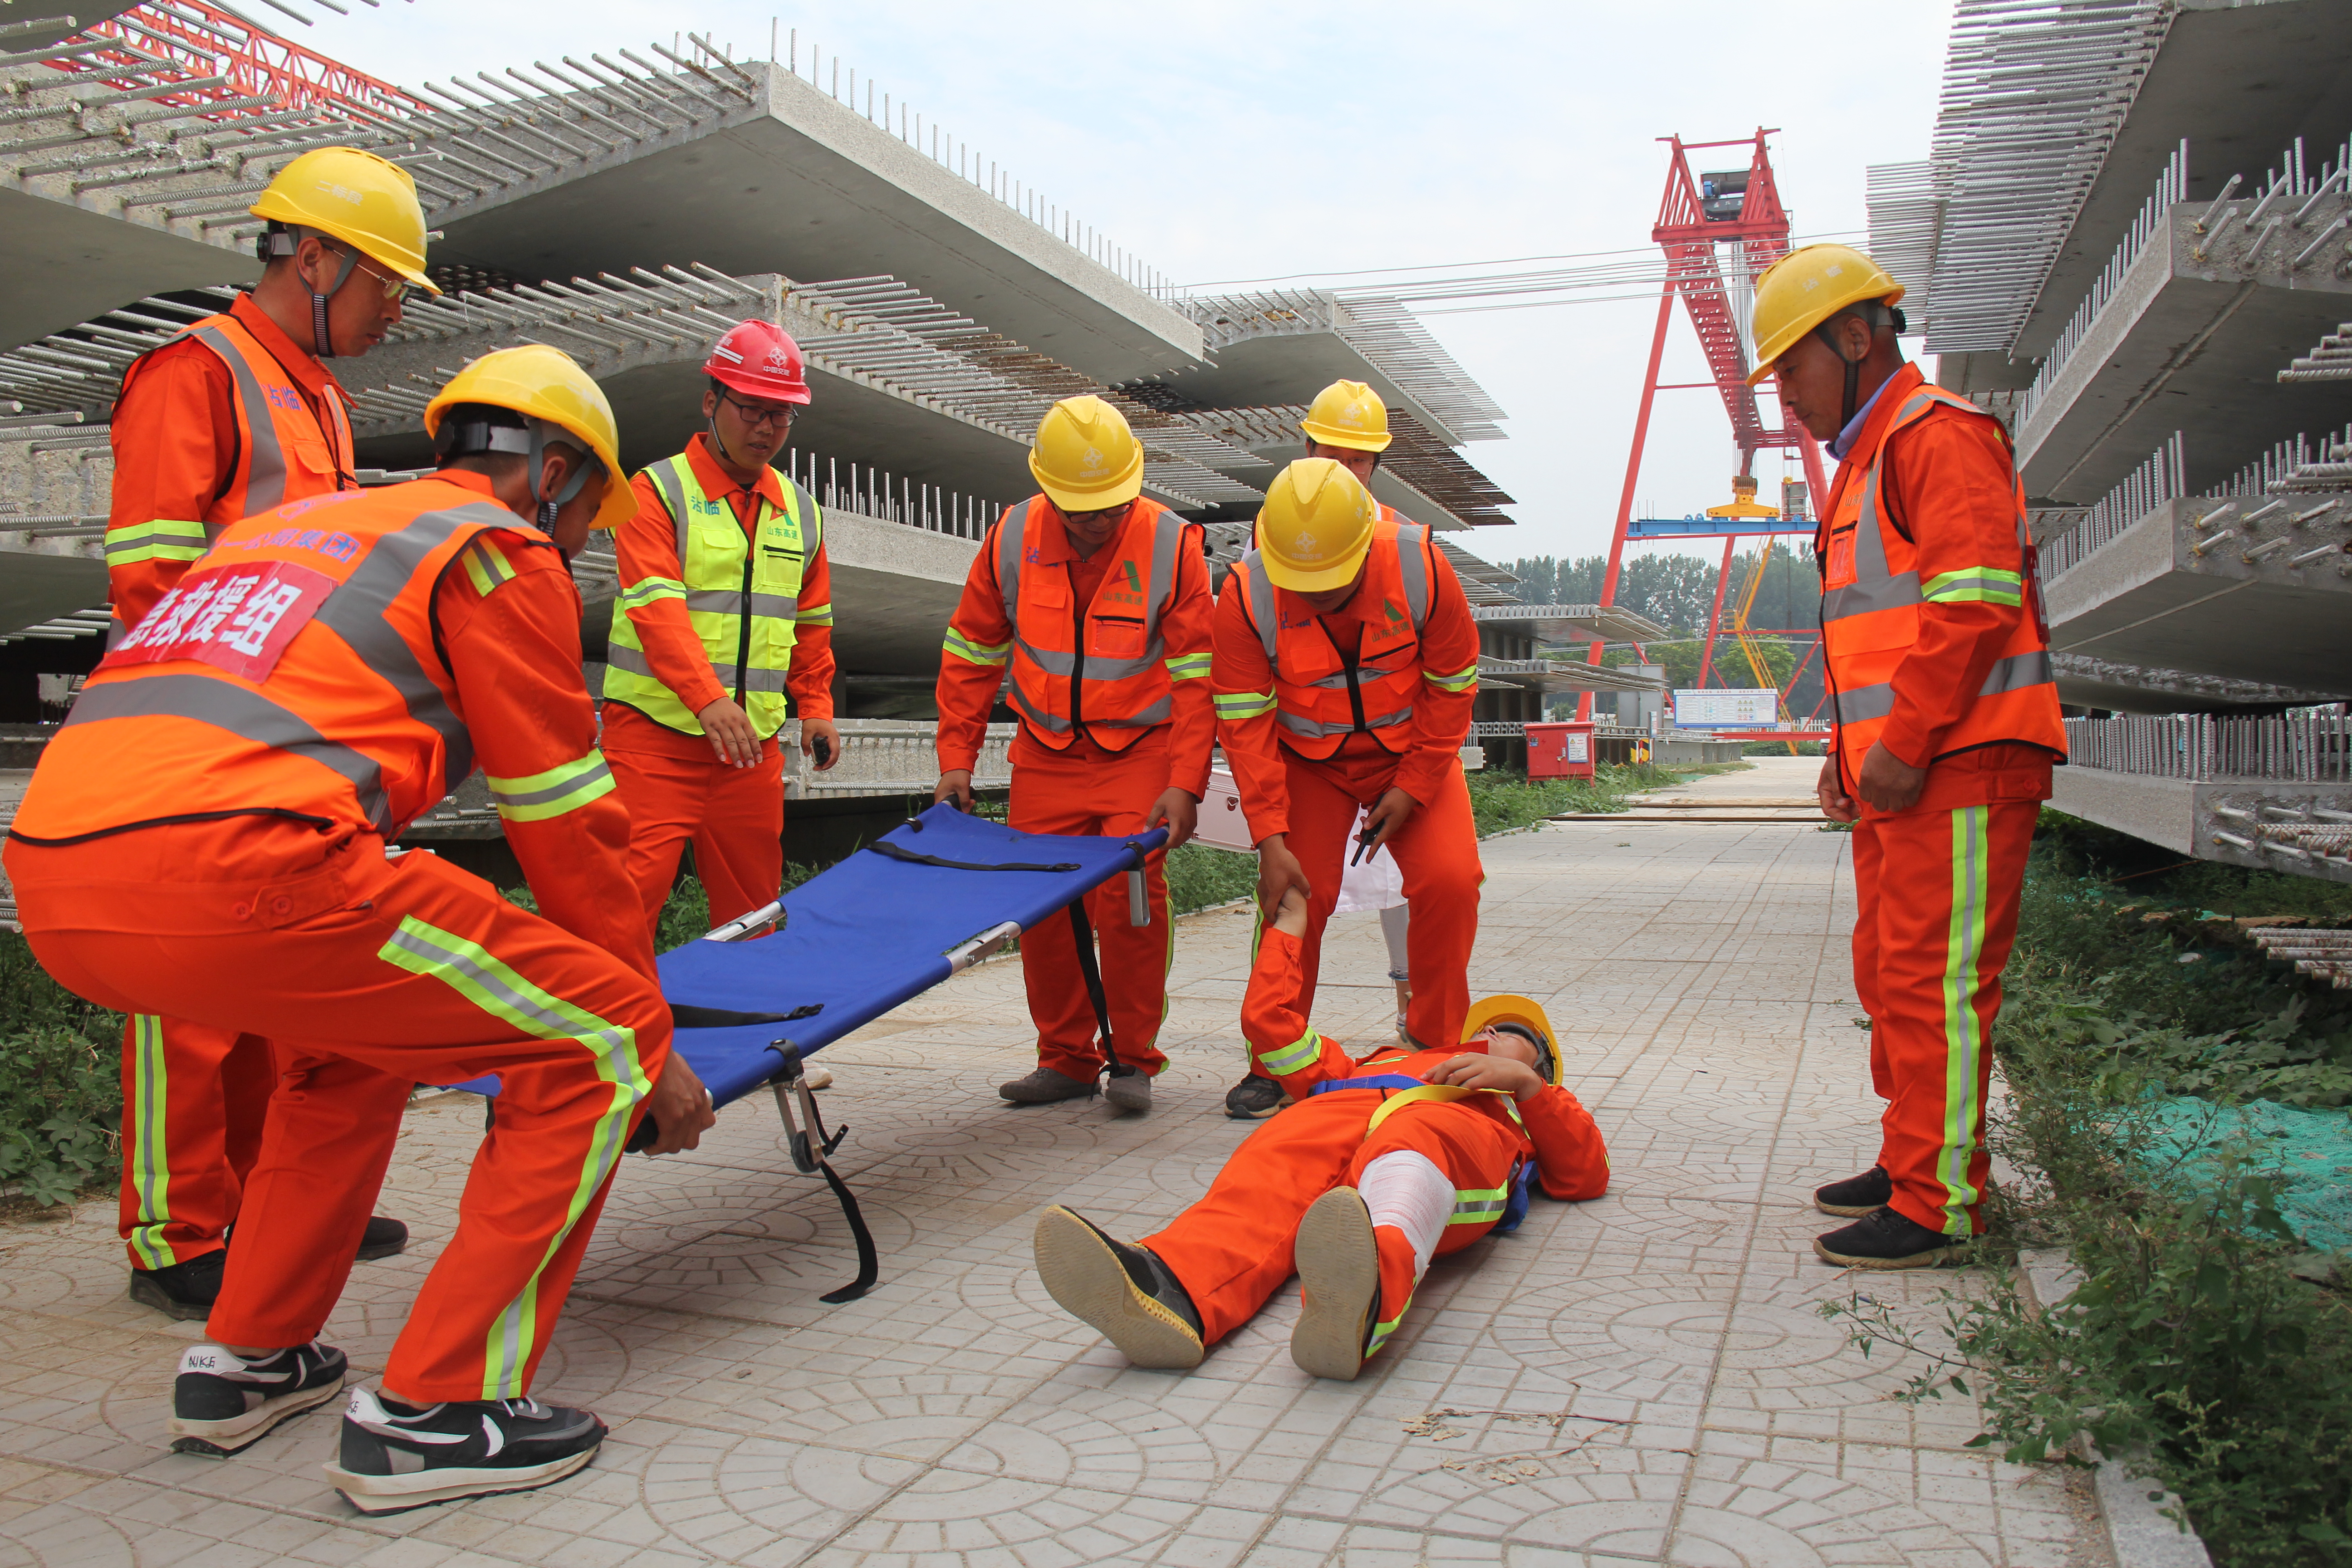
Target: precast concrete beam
{"type": "Point", "coordinates": [2101, 683]}
{"type": "Point", "coordinates": [2192, 336]}
{"type": "Point", "coordinates": [2264, 600]}
{"type": "Point", "coordinates": [2249, 822]}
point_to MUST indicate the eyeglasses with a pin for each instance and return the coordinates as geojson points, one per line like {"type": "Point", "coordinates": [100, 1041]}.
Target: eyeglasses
{"type": "Point", "coordinates": [756, 417]}
{"type": "Point", "coordinates": [399, 289]}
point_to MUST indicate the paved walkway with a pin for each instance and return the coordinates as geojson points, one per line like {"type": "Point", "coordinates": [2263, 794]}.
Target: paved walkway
{"type": "Point", "coordinates": [1640, 1379]}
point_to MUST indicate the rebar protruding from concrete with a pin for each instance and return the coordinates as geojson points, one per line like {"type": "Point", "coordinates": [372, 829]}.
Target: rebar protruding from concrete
{"type": "Point", "coordinates": [2205, 219]}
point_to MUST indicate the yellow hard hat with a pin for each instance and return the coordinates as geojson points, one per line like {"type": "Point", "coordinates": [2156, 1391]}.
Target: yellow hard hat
{"type": "Point", "coordinates": [1085, 458]}
{"type": "Point", "coordinates": [542, 383]}
{"type": "Point", "coordinates": [1806, 288]}
{"type": "Point", "coordinates": [364, 201]}
{"type": "Point", "coordinates": [1315, 527]}
{"type": "Point", "coordinates": [1522, 1013]}
{"type": "Point", "coordinates": [1348, 414]}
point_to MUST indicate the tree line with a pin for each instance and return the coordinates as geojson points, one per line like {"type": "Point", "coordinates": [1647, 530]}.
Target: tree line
{"type": "Point", "coordinates": [1678, 591]}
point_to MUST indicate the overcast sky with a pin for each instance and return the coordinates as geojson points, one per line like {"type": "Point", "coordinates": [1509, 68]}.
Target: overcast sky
{"type": "Point", "coordinates": [1222, 140]}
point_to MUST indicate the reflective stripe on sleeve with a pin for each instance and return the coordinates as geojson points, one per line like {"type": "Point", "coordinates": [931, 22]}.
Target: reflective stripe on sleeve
{"type": "Point", "coordinates": [1188, 666]}
{"type": "Point", "coordinates": [971, 652]}
{"type": "Point", "coordinates": [1479, 1205]}
{"type": "Point", "coordinates": [165, 539]}
{"type": "Point", "coordinates": [487, 565]}
{"type": "Point", "coordinates": [1468, 680]}
{"type": "Point", "coordinates": [567, 786]}
{"type": "Point", "coordinates": [1238, 705]}
{"type": "Point", "coordinates": [650, 590]}
{"type": "Point", "coordinates": [1977, 584]}
{"type": "Point", "coordinates": [815, 615]}
{"type": "Point", "coordinates": [1300, 1054]}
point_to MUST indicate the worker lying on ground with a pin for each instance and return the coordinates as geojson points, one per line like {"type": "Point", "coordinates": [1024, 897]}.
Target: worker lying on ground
{"type": "Point", "coordinates": [204, 838]}
{"type": "Point", "coordinates": [1378, 1165]}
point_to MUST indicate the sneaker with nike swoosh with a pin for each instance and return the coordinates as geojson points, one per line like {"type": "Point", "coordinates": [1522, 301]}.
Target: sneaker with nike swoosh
{"type": "Point", "coordinates": [223, 1403]}
{"type": "Point", "coordinates": [396, 1457]}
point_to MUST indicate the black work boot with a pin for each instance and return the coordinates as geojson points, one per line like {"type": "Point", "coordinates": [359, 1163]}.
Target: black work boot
{"type": "Point", "coordinates": [1123, 1289]}
{"type": "Point", "coordinates": [1857, 1195]}
{"type": "Point", "coordinates": [1886, 1239]}
{"type": "Point", "coordinates": [1254, 1098]}
{"type": "Point", "coordinates": [186, 1291]}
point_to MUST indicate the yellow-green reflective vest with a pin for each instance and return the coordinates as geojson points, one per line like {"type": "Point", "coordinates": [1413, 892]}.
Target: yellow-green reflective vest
{"type": "Point", "coordinates": [743, 600]}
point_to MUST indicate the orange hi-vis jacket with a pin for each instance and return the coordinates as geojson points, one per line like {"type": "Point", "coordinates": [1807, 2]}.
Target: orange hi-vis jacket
{"type": "Point", "coordinates": [228, 419]}
{"type": "Point", "coordinates": [1931, 616]}
{"type": "Point", "coordinates": [1111, 670]}
{"type": "Point", "coordinates": [297, 672]}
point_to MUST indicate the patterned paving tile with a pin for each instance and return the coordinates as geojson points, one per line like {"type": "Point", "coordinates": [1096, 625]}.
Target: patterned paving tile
{"type": "Point", "coordinates": [1644, 1379]}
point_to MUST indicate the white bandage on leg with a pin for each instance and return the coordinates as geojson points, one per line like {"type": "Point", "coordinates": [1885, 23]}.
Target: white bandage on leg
{"type": "Point", "coordinates": [1408, 1191]}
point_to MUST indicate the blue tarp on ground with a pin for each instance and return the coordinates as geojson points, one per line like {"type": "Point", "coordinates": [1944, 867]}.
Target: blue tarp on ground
{"type": "Point", "coordinates": [2312, 1150]}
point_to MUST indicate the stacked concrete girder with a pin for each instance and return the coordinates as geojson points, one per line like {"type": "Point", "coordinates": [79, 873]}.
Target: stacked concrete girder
{"type": "Point", "coordinates": [2195, 549]}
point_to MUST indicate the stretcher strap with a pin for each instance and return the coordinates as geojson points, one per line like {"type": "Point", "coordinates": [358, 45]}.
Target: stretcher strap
{"type": "Point", "coordinates": [1373, 1080]}
{"type": "Point", "coordinates": [1427, 1093]}
{"type": "Point", "coordinates": [885, 848]}
{"type": "Point", "coordinates": [1084, 931]}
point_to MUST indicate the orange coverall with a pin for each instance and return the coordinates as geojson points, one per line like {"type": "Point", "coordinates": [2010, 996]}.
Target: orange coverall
{"type": "Point", "coordinates": [1233, 1249]}
{"type": "Point", "coordinates": [193, 1094]}
{"type": "Point", "coordinates": [1315, 803]}
{"type": "Point", "coordinates": [673, 785]}
{"type": "Point", "coordinates": [374, 975]}
{"type": "Point", "coordinates": [1938, 884]}
{"type": "Point", "coordinates": [1087, 788]}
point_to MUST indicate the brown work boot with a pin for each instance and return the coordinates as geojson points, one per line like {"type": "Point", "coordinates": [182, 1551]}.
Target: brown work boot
{"type": "Point", "coordinates": [1044, 1087]}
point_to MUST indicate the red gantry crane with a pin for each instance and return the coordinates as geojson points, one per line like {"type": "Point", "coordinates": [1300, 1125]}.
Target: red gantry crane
{"type": "Point", "coordinates": [1700, 217]}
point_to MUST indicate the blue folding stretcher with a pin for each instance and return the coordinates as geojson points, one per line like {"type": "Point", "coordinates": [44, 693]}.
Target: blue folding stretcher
{"type": "Point", "coordinates": [929, 899]}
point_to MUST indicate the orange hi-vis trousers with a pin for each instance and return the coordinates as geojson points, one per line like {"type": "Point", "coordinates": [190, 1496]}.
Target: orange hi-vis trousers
{"type": "Point", "coordinates": [373, 976]}
{"type": "Point", "coordinates": [677, 789]}
{"type": "Point", "coordinates": [1089, 790]}
{"type": "Point", "coordinates": [1437, 854]}
{"type": "Point", "coordinates": [1937, 887]}
{"type": "Point", "coordinates": [1233, 1249]}
{"type": "Point", "coordinates": [194, 1099]}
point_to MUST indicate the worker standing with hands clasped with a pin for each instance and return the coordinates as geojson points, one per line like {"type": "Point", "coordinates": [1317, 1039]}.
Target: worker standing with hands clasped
{"type": "Point", "coordinates": [205, 837]}
{"type": "Point", "coordinates": [1947, 725]}
{"type": "Point", "coordinates": [1345, 665]}
{"type": "Point", "coordinates": [236, 415]}
{"type": "Point", "coordinates": [1100, 601]}
{"type": "Point", "coordinates": [725, 611]}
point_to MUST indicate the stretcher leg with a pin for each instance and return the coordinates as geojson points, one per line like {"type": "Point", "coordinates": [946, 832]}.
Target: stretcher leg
{"type": "Point", "coordinates": [809, 1151]}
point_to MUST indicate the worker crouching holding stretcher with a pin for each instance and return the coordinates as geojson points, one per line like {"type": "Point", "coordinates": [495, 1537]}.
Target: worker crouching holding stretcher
{"type": "Point", "coordinates": [1346, 666]}
{"type": "Point", "coordinates": [1947, 725]}
{"type": "Point", "coordinates": [1377, 1166]}
{"type": "Point", "coordinates": [204, 838]}
{"type": "Point", "coordinates": [1098, 600]}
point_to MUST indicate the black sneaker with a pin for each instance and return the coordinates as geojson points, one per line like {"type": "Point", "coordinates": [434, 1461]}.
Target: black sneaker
{"type": "Point", "coordinates": [1338, 1286]}
{"type": "Point", "coordinates": [182, 1291]}
{"type": "Point", "coordinates": [1857, 1195]}
{"type": "Point", "coordinates": [223, 1403]}
{"type": "Point", "coordinates": [1254, 1098]}
{"type": "Point", "coordinates": [382, 1238]}
{"type": "Point", "coordinates": [1124, 1290]}
{"type": "Point", "coordinates": [395, 1459]}
{"type": "Point", "coordinates": [1884, 1240]}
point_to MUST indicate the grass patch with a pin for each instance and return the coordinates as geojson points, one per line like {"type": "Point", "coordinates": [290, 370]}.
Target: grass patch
{"type": "Point", "coordinates": [60, 1083]}
{"type": "Point", "coordinates": [2206, 1336]}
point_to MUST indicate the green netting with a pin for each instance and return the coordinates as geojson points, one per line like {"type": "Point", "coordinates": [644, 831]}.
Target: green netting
{"type": "Point", "coordinates": [2311, 1150]}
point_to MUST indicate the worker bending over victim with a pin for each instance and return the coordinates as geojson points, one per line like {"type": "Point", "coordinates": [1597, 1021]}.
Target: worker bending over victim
{"type": "Point", "coordinates": [1378, 1165]}
{"type": "Point", "coordinates": [235, 415]}
{"type": "Point", "coordinates": [1099, 600]}
{"type": "Point", "coordinates": [205, 837]}
{"type": "Point", "coordinates": [725, 609]}
{"type": "Point", "coordinates": [1947, 726]}
{"type": "Point", "coordinates": [1346, 667]}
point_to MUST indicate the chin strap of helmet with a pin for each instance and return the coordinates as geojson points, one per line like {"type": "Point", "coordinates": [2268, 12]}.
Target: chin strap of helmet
{"type": "Point", "coordinates": [1874, 314]}
{"type": "Point", "coordinates": [529, 442]}
{"type": "Point", "coordinates": [284, 242]}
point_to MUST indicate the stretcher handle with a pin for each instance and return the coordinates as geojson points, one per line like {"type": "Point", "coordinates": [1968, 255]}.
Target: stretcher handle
{"type": "Point", "coordinates": [771, 913]}
{"type": "Point", "coordinates": [971, 950]}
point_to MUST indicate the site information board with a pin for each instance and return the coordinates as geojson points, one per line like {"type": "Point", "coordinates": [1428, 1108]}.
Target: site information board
{"type": "Point", "coordinates": [1734, 708]}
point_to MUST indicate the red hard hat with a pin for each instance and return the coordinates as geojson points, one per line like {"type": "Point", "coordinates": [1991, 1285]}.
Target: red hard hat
{"type": "Point", "coordinates": [758, 359]}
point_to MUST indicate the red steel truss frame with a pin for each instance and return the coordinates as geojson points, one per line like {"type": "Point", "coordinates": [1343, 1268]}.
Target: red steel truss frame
{"type": "Point", "coordinates": [205, 44]}
{"type": "Point", "coordinates": [1693, 270]}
